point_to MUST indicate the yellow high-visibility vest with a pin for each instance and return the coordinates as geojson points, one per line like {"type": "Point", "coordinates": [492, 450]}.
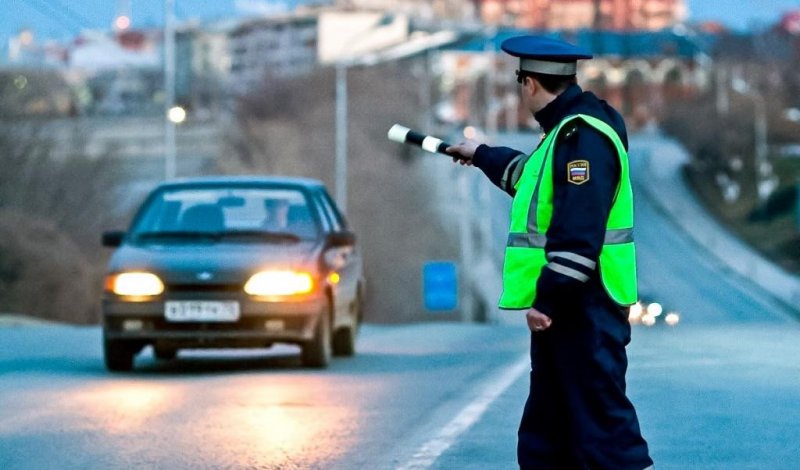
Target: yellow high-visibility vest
{"type": "Point", "coordinates": [532, 210]}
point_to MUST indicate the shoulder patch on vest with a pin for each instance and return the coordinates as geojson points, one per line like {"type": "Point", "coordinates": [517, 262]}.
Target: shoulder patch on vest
{"type": "Point", "coordinates": [578, 171]}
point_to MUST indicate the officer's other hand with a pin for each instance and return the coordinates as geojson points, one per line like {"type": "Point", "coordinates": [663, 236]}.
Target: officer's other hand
{"type": "Point", "coordinates": [463, 152]}
{"type": "Point", "coordinates": [537, 321]}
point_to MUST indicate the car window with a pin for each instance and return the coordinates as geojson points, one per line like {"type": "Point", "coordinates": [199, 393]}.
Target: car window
{"type": "Point", "coordinates": [330, 222]}
{"type": "Point", "coordinates": [218, 210]}
{"type": "Point", "coordinates": [334, 210]}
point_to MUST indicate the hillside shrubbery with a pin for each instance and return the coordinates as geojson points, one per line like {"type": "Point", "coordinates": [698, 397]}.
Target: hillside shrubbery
{"type": "Point", "coordinates": [52, 211]}
{"type": "Point", "coordinates": [287, 128]}
{"type": "Point", "coordinates": [723, 173]}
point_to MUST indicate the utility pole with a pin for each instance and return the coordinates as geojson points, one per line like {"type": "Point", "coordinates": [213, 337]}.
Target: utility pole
{"type": "Point", "coordinates": [597, 20]}
{"type": "Point", "coordinates": [169, 89]}
{"type": "Point", "coordinates": [341, 112]}
{"type": "Point", "coordinates": [722, 101]}
{"type": "Point", "coordinates": [489, 85]}
{"type": "Point", "coordinates": [341, 135]}
{"type": "Point", "coordinates": [764, 177]}
{"type": "Point", "coordinates": [493, 108]}
{"type": "Point", "coordinates": [425, 89]}
{"type": "Point", "coordinates": [465, 196]}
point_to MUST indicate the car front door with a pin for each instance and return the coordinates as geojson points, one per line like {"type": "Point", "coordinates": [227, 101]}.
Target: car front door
{"type": "Point", "coordinates": [348, 263]}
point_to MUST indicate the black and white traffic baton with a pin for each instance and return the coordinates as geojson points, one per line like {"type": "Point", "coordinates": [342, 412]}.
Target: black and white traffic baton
{"type": "Point", "coordinates": [404, 135]}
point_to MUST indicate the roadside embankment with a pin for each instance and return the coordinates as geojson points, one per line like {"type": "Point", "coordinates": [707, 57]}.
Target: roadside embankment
{"type": "Point", "coordinates": [662, 160]}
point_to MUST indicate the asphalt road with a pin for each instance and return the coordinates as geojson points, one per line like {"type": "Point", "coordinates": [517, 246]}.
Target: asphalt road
{"type": "Point", "coordinates": [60, 409]}
{"type": "Point", "coordinates": [720, 390]}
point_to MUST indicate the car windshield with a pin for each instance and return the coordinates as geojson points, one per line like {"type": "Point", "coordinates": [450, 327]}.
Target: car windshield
{"type": "Point", "coordinates": [258, 214]}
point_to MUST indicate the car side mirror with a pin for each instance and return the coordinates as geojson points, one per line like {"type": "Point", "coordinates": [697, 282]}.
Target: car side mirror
{"type": "Point", "coordinates": [343, 238]}
{"type": "Point", "coordinates": [113, 239]}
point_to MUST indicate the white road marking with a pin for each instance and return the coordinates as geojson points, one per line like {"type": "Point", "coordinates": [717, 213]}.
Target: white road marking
{"type": "Point", "coordinates": [427, 454]}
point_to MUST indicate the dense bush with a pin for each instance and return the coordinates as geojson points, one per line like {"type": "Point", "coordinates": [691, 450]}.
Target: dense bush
{"type": "Point", "coordinates": [43, 272]}
{"type": "Point", "coordinates": [52, 210]}
{"type": "Point", "coordinates": [722, 151]}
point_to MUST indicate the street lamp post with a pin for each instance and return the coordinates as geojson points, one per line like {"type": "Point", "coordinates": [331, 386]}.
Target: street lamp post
{"type": "Point", "coordinates": [793, 115]}
{"type": "Point", "coordinates": [341, 135]}
{"type": "Point", "coordinates": [341, 111]}
{"type": "Point", "coordinates": [764, 179]}
{"type": "Point", "coordinates": [169, 89]}
{"type": "Point", "coordinates": [352, 60]}
{"type": "Point", "coordinates": [705, 61]}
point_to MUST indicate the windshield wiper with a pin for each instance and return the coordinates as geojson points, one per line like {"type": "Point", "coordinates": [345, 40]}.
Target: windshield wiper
{"type": "Point", "coordinates": [176, 234]}
{"type": "Point", "coordinates": [261, 234]}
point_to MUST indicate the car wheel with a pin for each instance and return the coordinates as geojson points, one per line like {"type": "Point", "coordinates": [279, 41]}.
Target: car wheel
{"type": "Point", "coordinates": [344, 342]}
{"type": "Point", "coordinates": [344, 339]}
{"type": "Point", "coordinates": [317, 352]}
{"type": "Point", "coordinates": [165, 354]}
{"type": "Point", "coordinates": [118, 355]}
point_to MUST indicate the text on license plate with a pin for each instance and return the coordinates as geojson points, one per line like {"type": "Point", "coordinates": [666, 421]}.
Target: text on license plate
{"type": "Point", "coordinates": [201, 311]}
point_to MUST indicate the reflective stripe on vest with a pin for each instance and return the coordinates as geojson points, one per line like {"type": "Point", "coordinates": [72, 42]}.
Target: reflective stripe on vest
{"type": "Point", "coordinates": [538, 240]}
{"type": "Point", "coordinates": [532, 211]}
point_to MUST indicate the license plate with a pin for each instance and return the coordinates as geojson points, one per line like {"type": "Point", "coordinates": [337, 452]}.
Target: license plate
{"type": "Point", "coordinates": [201, 311]}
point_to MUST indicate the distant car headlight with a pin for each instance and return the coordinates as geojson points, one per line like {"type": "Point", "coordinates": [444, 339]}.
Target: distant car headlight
{"type": "Point", "coordinates": [277, 283]}
{"type": "Point", "coordinates": [135, 284]}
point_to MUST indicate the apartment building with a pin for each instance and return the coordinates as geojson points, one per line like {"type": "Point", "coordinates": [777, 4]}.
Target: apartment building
{"type": "Point", "coordinates": [609, 15]}
{"type": "Point", "coordinates": [276, 46]}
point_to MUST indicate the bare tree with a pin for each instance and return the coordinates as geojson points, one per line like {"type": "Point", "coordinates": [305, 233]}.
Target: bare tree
{"type": "Point", "coordinates": [52, 210]}
{"type": "Point", "coordinates": [288, 128]}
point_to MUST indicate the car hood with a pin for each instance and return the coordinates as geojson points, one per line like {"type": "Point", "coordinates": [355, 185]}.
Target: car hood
{"type": "Point", "coordinates": [214, 263]}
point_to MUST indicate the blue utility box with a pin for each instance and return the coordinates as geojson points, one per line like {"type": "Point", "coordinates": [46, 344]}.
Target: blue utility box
{"type": "Point", "coordinates": [440, 286]}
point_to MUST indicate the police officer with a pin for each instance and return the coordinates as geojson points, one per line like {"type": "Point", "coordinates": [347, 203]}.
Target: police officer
{"type": "Point", "coordinates": [569, 265]}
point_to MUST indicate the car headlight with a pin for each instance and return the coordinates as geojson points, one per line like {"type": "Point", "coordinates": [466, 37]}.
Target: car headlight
{"type": "Point", "coordinates": [277, 283]}
{"type": "Point", "coordinates": [135, 284]}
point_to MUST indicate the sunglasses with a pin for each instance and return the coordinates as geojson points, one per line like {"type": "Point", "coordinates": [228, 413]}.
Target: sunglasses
{"type": "Point", "coordinates": [521, 75]}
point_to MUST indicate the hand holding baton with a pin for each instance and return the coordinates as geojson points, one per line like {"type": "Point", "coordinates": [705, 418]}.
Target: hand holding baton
{"type": "Point", "coordinates": [404, 135]}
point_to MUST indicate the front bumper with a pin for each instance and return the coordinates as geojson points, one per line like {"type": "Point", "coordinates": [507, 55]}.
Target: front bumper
{"type": "Point", "coordinates": [260, 323]}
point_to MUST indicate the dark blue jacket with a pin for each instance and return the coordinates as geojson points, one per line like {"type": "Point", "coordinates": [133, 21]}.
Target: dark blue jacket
{"type": "Point", "coordinates": [580, 212]}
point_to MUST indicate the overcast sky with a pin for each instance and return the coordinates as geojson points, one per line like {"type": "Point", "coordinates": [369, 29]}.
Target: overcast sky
{"type": "Point", "coordinates": [62, 19]}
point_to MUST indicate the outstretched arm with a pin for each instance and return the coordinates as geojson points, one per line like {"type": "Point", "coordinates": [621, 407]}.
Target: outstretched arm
{"type": "Point", "coordinates": [497, 163]}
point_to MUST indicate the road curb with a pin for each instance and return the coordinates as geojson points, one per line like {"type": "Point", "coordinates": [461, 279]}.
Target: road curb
{"type": "Point", "coordinates": [665, 185]}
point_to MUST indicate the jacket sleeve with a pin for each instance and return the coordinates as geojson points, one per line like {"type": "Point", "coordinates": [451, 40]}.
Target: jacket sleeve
{"type": "Point", "coordinates": [498, 164]}
{"type": "Point", "coordinates": [580, 214]}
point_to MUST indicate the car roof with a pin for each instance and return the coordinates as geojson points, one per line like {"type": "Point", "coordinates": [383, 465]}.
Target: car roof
{"type": "Point", "coordinates": [241, 181]}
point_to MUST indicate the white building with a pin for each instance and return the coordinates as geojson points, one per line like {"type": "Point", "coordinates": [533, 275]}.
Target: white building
{"type": "Point", "coordinates": [202, 64]}
{"type": "Point", "coordinates": [417, 9]}
{"type": "Point", "coordinates": [24, 50]}
{"type": "Point", "coordinates": [279, 46]}
{"type": "Point", "coordinates": [99, 50]}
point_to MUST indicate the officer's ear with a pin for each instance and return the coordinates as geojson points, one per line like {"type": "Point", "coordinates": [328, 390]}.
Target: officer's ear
{"type": "Point", "coordinates": [536, 85]}
{"type": "Point", "coordinates": [530, 85]}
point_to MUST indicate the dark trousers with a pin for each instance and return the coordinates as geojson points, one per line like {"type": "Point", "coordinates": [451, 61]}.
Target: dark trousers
{"type": "Point", "coordinates": [577, 415]}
